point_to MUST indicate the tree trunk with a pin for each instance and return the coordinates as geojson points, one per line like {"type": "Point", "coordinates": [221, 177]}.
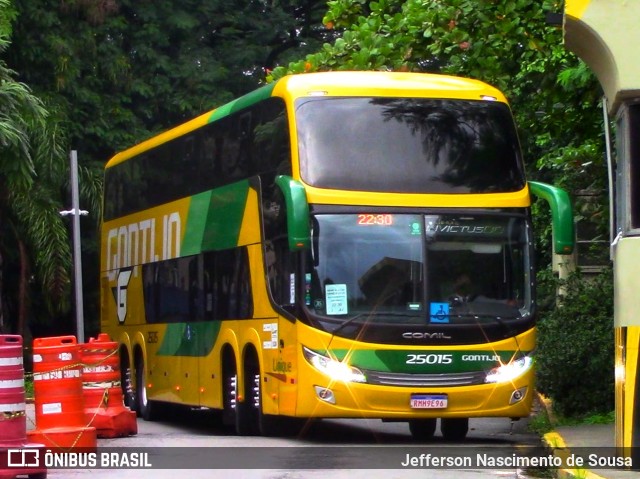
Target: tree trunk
{"type": "Point", "coordinates": [23, 294]}
{"type": "Point", "coordinates": [2, 325]}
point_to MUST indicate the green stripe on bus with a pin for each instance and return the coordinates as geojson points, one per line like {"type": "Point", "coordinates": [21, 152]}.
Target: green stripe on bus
{"type": "Point", "coordinates": [196, 223]}
{"type": "Point", "coordinates": [215, 219]}
{"type": "Point", "coordinates": [243, 102]}
{"type": "Point", "coordinates": [424, 362]}
{"type": "Point", "coordinates": [189, 339]}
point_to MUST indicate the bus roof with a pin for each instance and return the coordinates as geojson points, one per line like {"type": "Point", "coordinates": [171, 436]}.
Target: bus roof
{"type": "Point", "coordinates": [334, 83]}
{"type": "Point", "coordinates": [389, 84]}
{"type": "Point", "coordinates": [212, 115]}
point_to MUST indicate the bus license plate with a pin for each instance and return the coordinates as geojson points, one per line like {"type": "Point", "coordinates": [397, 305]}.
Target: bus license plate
{"type": "Point", "coordinates": [428, 401]}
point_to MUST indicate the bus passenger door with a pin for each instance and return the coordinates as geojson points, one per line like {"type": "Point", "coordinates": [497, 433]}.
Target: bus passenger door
{"type": "Point", "coordinates": [282, 288]}
{"type": "Point", "coordinates": [279, 295]}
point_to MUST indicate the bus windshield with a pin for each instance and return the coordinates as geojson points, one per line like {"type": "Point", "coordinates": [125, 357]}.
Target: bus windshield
{"type": "Point", "coordinates": [418, 269]}
{"type": "Point", "coordinates": [408, 145]}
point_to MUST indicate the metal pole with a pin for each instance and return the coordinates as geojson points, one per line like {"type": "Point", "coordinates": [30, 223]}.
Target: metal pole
{"type": "Point", "coordinates": [610, 170]}
{"type": "Point", "coordinates": [77, 260]}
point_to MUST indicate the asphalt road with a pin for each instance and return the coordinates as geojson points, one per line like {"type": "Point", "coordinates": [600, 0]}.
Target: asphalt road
{"type": "Point", "coordinates": [192, 444]}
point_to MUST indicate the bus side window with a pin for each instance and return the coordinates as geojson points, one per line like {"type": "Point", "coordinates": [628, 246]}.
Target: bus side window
{"type": "Point", "coordinates": [194, 288]}
{"type": "Point", "coordinates": [245, 137]}
{"type": "Point", "coordinates": [207, 289]}
{"type": "Point", "coordinates": [270, 143]}
{"type": "Point", "coordinates": [209, 147]}
{"type": "Point", "coordinates": [150, 293]}
{"type": "Point", "coordinates": [227, 153]}
{"type": "Point", "coordinates": [242, 282]}
{"type": "Point", "coordinates": [228, 292]}
{"type": "Point", "coordinates": [279, 260]}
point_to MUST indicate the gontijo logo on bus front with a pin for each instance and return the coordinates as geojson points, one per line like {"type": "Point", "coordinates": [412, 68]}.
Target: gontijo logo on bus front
{"type": "Point", "coordinates": [136, 243]}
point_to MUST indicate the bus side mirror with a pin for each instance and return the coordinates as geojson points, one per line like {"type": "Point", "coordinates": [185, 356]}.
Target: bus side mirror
{"type": "Point", "coordinates": [295, 199]}
{"type": "Point", "coordinates": [561, 215]}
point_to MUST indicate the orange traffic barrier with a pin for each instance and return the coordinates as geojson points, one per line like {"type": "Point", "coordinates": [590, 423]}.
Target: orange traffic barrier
{"type": "Point", "coordinates": [103, 398]}
{"type": "Point", "coordinates": [59, 403]}
{"type": "Point", "coordinates": [13, 420]}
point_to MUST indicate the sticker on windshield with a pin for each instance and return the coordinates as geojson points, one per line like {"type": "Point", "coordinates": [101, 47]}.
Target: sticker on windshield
{"type": "Point", "coordinates": [439, 312]}
{"type": "Point", "coordinates": [336, 298]}
{"type": "Point", "coordinates": [292, 288]}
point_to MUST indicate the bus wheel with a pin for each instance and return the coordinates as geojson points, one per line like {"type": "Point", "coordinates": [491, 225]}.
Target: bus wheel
{"type": "Point", "coordinates": [422, 429]}
{"type": "Point", "coordinates": [280, 426]}
{"type": "Point", "coordinates": [248, 411]}
{"type": "Point", "coordinates": [230, 394]}
{"type": "Point", "coordinates": [128, 389]}
{"type": "Point", "coordinates": [146, 408]}
{"type": "Point", "coordinates": [455, 428]}
{"type": "Point", "coordinates": [268, 424]}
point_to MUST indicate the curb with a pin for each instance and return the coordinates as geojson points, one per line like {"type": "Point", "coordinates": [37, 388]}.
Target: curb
{"type": "Point", "coordinates": [556, 443]}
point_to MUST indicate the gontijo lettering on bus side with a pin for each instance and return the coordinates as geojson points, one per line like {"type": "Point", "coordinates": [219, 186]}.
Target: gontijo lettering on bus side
{"type": "Point", "coordinates": [210, 220]}
{"type": "Point", "coordinates": [135, 243]}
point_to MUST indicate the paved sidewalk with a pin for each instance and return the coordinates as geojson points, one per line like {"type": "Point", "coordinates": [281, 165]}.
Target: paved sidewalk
{"type": "Point", "coordinates": [585, 439]}
{"type": "Point", "coordinates": [597, 438]}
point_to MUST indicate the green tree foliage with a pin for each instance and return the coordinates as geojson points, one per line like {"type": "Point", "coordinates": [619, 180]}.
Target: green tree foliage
{"type": "Point", "coordinates": [575, 347]}
{"type": "Point", "coordinates": [122, 70]}
{"type": "Point", "coordinates": [32, 177]}
{"type": "Point", "coordinates": [508, 44]}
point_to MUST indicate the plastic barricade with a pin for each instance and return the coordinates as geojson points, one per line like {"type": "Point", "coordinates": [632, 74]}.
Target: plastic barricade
{"type": "Point", "coordinates": [13, 421]}
{"type": "Point", "coordinates": [103, 398]}
{"type": "Point", "coordinates": [59, 402]}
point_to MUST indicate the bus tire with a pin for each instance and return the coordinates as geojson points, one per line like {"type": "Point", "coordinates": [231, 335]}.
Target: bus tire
{"type": "Point", "coordinates": [280, 426]}
{"type": "Point", "coordinates": [248, 411]}
{"type": "Point", "coordinates": [422, 429]}
{"type": "Point", "coordinates": [229, 392]}
{"type": "Point", "coordinates": [146, 408]}
{"type": "Point", "coordinates": [454, 428]}
{"type": "Point", "coordinates": [127, 382]}
{"type": "Point", "coordinates": [270, 425]}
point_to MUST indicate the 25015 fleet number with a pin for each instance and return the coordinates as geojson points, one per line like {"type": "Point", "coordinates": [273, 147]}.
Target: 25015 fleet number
{"type": "Point", "coordinates": [429, 359]}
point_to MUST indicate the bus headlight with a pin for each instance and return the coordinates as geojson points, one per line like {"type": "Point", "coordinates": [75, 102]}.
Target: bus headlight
{"type": "Point", "coordinates": [336, 370]}
{"type": "Point", "coordinates": [509, 372]}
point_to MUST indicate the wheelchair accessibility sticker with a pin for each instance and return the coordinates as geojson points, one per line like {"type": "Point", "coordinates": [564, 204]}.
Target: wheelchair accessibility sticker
{"type": "Point", "coordinates": [439, 312]}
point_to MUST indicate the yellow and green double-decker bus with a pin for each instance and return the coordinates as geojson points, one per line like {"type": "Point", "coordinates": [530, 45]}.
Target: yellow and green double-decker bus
{"type": "Point", "coordinates": [332, 245]}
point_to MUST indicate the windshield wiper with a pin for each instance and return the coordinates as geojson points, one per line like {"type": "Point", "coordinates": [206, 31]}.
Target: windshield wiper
{"type": "Point", "coordinates": [500, 319]}
{"type": "Point", "coordinates": [347, 322]}
{"type": "Point", "coordinates": [506, 327]}
{"type": "Point", "coordinates": [497, 317]}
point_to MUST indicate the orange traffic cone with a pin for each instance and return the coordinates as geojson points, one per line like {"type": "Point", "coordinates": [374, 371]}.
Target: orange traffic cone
{"type": "Point", "coordinates": [57, 384]}
{"type": "Point", "coordinates": [18, 456]}
{"type": "Point", "coordinates": [103, 399]}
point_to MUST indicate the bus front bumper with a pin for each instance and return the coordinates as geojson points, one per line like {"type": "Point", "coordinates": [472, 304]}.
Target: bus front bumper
{"type": "Point", "coordinates": [320, 397]}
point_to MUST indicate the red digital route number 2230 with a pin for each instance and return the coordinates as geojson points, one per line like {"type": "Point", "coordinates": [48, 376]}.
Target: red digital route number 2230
{"type": "Point", "coordinates": [375, 219]}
